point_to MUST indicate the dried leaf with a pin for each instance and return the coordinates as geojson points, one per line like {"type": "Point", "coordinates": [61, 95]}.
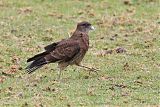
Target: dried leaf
{"type": "Point", "coordinates": [25, 10]}
{"type": "Point", "coordinates": [103, 52]}
{"type": "Point", "coordinates": [127, 2]}
{"type": "Point", "coordinates": [90, 91]}
{"type": "Point", "coordinates": [2, 78]}
{"type": "Point", "coordinates": [12, 70]}
{"type": "Point", "coordinates": [120, 85]}
{"type": "Point", "coordinates": [120, 50]}
{"type": "Point", "coordinates": [57, 15]}
{"type": "Point", "coordinates": [126, 67]}
{"type": "Point", "coordinates": [105, 78]}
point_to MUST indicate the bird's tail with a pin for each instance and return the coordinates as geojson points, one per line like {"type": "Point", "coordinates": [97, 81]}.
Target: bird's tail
{"type": "Point", "coordinates": [35, 65]}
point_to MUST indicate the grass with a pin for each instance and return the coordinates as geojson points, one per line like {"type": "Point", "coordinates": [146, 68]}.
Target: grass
{"type": "Point", "coordinates": [130, 78]}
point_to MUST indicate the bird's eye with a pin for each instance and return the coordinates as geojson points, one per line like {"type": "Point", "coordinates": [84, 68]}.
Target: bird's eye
{"type": "Point", "coordinates": [84, 24]}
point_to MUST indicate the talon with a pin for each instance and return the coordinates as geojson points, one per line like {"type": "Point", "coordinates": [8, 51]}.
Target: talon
{"type": "Point", "coordinates": [94, 70]}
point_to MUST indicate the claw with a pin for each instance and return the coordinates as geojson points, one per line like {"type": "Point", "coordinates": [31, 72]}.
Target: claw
{"type": "Point", "coordinates": [91, 69]}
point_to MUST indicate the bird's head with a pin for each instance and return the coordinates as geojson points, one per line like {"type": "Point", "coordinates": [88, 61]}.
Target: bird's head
{"type": "Point", "coordinates": [84, 27]}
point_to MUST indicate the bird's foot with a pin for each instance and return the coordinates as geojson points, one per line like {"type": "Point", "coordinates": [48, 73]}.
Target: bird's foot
{"type": "Point", "coordinates": [93, 70]}
{"type": "Point", "coordinates": [90, 69]}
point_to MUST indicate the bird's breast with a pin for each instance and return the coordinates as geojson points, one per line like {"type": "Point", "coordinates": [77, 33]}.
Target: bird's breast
{"type": "Point", "coordinates": [84, 44]}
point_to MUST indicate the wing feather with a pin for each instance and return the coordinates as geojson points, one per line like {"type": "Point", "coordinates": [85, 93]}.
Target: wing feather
{"type": "Point", "coordinates": [51, 46]}
{"type": "Point", "coordinates": [64, 51]}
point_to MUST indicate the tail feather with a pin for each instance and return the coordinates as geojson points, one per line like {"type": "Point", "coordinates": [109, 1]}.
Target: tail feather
{"type": "Point", "coordinates": [38, 56]}
{"type": "Point", "coordinates": [30, 70]}
{"type": "Point", "coordinates": [39, 61]}
{"type": "Point", "coordinates": [35, 65]}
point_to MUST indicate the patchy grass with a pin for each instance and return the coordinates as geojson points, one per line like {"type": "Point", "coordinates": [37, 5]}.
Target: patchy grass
{"type": "Point", "coordinates": [125, 46]}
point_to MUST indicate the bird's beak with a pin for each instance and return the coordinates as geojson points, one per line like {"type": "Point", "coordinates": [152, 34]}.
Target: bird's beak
{"type": "Point", "coordinates": [92, 28]}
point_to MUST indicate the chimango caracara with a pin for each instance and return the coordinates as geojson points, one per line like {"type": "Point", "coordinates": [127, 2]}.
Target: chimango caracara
{"type": "Point", "coordinates": [65, 52]}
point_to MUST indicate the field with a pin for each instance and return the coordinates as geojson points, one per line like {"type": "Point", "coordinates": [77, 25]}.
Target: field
{"type": "Point", "coordinates": [125, 47]}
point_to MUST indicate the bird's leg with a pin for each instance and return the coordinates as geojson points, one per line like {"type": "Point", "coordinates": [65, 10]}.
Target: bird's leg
{"type": "Point", "coordinates": [61, 67]}
{"type": "Point", "coordinates": [59, 74]}
{"type": "Point", "coordinates": [91, 69]}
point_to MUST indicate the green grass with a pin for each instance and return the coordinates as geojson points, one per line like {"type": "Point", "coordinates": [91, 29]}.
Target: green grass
{"type": "Point", "coordinates": [126, 79]}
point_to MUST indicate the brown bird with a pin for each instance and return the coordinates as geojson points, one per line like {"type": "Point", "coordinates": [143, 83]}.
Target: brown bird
{"type": "Point", "coordinates": [65, 52]}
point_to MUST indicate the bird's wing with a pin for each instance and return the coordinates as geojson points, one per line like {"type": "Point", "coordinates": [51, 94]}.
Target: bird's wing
{"type": "Point", "coordinates": [64, 51]}
{"type": "Point", "coordinates": [51, 47]}
{"type": "Point", "coordinates": [47, 48]}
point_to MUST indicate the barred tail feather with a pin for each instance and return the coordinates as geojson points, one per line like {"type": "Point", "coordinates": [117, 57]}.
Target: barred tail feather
{"type": "Point", "coordinates": [35, 65]}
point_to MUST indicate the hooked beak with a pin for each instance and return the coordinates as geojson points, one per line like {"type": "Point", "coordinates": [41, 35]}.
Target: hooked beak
{"type": "Point", "coordinates": [92, 28]}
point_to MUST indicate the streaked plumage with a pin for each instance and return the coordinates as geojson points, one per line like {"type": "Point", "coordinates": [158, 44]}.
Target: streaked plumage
{"type": "Point", "coordinates": [65, 52]}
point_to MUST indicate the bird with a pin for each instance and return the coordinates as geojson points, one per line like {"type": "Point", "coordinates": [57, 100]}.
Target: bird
{"type": "Point", "coordinates": [65, 52]}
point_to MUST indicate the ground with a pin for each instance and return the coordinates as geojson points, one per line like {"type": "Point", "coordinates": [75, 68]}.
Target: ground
{"type": "Point", "coordinates": [125, 47]}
